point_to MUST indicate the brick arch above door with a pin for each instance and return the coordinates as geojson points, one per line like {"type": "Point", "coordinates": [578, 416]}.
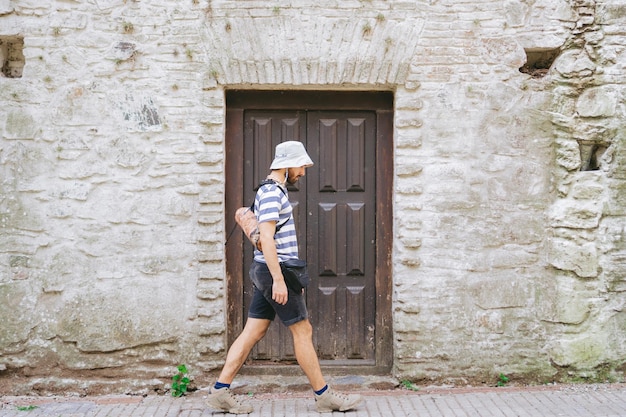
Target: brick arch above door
{"type": "Point", "coordinates": [288, 50]}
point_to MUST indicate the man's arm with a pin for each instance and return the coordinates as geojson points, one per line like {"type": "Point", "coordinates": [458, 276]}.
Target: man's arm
{"type": "Point", "coordinates": [279, 288]}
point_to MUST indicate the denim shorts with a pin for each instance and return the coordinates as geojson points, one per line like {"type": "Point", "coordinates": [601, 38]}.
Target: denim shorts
{"type": "Point", "coordinates": [263, 307]}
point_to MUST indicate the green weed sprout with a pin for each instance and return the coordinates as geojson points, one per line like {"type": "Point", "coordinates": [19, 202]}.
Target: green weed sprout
{"type": "Point", "coordinates": [180, 382]}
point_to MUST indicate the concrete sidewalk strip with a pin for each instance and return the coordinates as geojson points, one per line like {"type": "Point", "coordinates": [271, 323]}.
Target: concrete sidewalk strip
{"type": "Point", "coordinates": [553, 401]}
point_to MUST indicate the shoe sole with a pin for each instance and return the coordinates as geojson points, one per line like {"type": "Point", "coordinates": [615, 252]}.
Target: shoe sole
{"type": "Point", "coordinates": [227, 410]}
{"type": "Point", "coordinates": [342, 409]}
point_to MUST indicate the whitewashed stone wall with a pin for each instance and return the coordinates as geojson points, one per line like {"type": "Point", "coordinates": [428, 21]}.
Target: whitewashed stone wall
{"type": "Point", "coordinates": [507, 257]}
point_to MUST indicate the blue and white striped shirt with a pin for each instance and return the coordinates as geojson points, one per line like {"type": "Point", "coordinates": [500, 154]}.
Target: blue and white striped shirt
{"type": "Point", "coordinates": [271, 204]}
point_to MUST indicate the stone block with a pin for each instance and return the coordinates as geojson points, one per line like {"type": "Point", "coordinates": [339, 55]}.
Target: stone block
{"type": "Point", "coordinates": [520, 228]}
{"type": "Point", "coordinates": [409, 139]}
{"type": "Point", "coordinates": [512, 256]}
{"type": "Point", "coordinates": [611, 13]}
{"type": "Point", "coordinates": [575, 214]}
{"type": "Point", "coordinates": [71, 20]}
{"type": "Point", "coordinates": [503, 50]}
{"type": "Point", "coordinates": [617, 169]}
{"type": "Point", "coordinates": [140, 113]}
{"type": "Point", "coordinates": [407, 324]}
{"type": "Point", "coordinates": [408, 122]}
{"type": "Point", "coordinates": [502, 290]}
{"type": "Point", "coordinates": [612, 235]}
{"type": "Point", "coordinates": [574, 63]}
{"type": "Point", "coordinates": [588, 188]}
{"type": "Point", "coordinates": [515, 13]}
{"type": "Point", "coordinates": [210, 289]}
{"type": "Point", "coordinates": [107, 316]}
{"type": "Point", "coordinates": [580, 351]}
{"type": "Point", "coordinates": [18, 309]}
{"type": "Point", "coordinates": [580, 258]}
{"type": "Point", "coordinates": [409, 169]}
{"type": "Point", "coordinates": [208, 254]}
{"type": "Point", "coordinates": [157, 265]}
{"type": "Point", "coordinates": [408, 102]}
{"type": "Point", "coordinates": [490, 321]}
{"type": "Point", "coordinates": [614, 271]}
{"type": "Point", "coordinates": [21, 214]}
{"type": "Point", "coordinates": [5, 7]}
{"type": "Point", "coordinates": [597, 102]}
{"type": "Point", "coordinates": [411, 242]}
{"type": "Point", "coordinates": [568, 154]}
{"type": "Point", "coordinates": [410, 261]}
{"type": "Point", "coordinates": [122, 51]}
{"type": "Point", "coordinates": [616, 204]}
{"type": "Point", "coordinates": [20, 124]}
{"type": "Point", "coordinates": [105, 5]}
{"type": "Point", "coordinates": [524, 183]}
{"type": "Point", "coordinates": [563, 299]}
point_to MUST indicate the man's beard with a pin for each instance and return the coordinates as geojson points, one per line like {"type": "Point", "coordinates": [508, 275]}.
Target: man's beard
{"type": "Point", "coordinates": [290, 180]}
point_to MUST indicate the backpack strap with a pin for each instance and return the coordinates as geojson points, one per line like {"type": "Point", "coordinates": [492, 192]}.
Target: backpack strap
{"type": "Point", "coordinates": [270, 181]}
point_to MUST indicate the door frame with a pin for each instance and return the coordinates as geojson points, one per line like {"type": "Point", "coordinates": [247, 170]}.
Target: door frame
{"type": "Point", "coordinates": [237, 101]}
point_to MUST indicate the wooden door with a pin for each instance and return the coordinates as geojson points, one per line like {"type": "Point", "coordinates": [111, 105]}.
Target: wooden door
{"type": "Point", "coordinates": [338, 212]}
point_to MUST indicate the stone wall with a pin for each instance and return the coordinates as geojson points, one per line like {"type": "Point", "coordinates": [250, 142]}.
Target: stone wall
{"type": "Point", "coordinates": [509, 252]}
{"type": "Point", "coordinates": [588, 229]}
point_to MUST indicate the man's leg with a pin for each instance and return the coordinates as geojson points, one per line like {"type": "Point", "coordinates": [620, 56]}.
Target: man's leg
{"type": "Point", "coordinates": [253, 331]}
{"type": "Point", "coordinates": [220, 396]}
{"type": "Point", "coordinates": [306, 355]}
{"type": "Point", "coordinates": [326, 399]}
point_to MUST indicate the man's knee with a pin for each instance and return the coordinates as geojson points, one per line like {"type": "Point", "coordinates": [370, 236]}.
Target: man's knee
{"type": "Point", "coordinates": [302, 328]}
{"type": "Point", "coordinates": [255, 329]}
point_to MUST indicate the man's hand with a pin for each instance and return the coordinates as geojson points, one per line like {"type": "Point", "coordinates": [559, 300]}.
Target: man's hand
{"type": "Point", "coordinates": [279, 292]}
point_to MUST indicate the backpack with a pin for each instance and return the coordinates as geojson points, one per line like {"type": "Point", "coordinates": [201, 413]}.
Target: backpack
{"type": "Point", "coordinates": [247, 221]}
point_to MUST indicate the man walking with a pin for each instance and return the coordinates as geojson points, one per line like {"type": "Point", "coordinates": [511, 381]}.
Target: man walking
{"type": "Point", "coordinates": [271, 295]}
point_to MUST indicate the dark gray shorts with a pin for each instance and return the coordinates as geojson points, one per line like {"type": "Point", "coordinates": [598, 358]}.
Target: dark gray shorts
{"type": "Point", "coordinates": [262, 305]}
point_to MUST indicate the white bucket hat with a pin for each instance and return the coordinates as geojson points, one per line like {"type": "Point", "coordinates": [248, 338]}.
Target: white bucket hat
{"type": "Point", "coordinates": [291, 154]}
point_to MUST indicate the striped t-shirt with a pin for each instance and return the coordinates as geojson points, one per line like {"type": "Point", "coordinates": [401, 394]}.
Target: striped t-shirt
{"type": "Point", "coordinates": [271, 204]}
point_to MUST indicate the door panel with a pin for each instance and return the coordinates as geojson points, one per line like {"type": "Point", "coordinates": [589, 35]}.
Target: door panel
{"type": "Point", "coordinates": [341, 239]}
{"type": "Point", "coordinates": [262, 132]}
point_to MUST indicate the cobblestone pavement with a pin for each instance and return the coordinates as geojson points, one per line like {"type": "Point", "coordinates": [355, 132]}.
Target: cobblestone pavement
{"type": "Point", "coordinates": [598, 400]}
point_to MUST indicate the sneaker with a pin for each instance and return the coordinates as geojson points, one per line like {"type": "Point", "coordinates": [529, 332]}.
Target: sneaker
{"type": "Point", "coordinates": [224, 399]}
{"type": "Point", "coordinates": [335, 401]}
